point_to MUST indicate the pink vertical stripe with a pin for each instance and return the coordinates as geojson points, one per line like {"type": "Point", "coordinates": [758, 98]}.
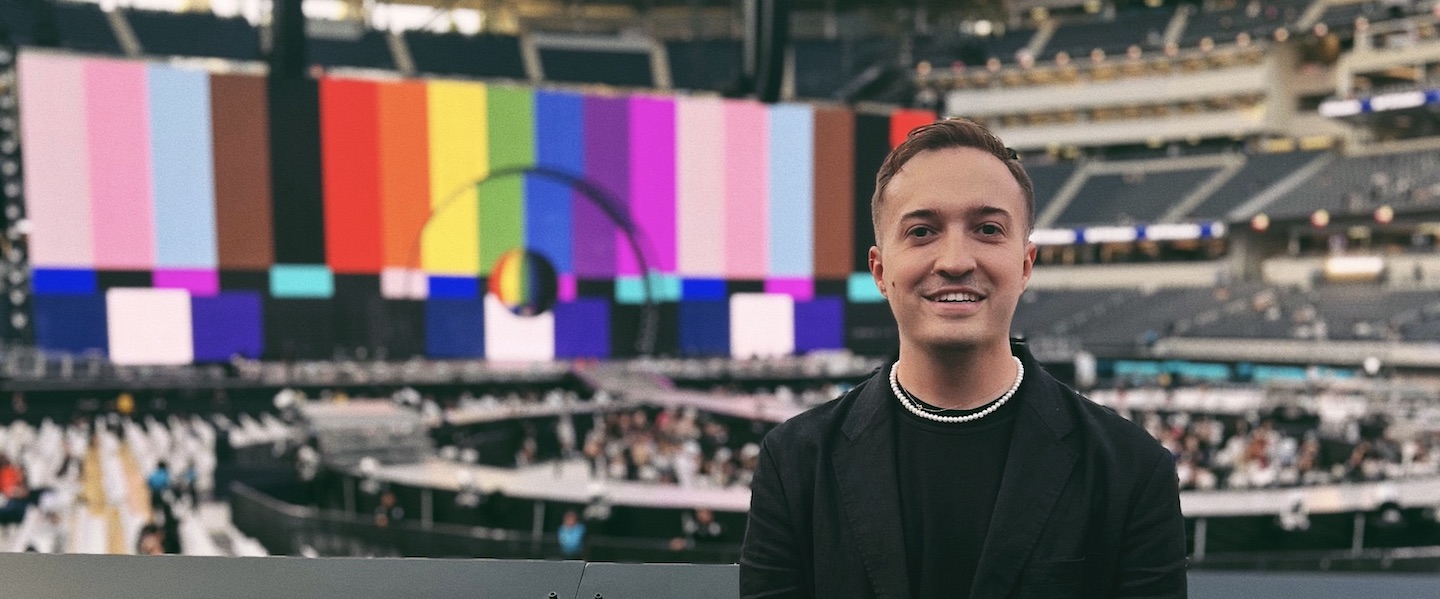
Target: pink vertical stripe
{"type": "Point", "coordinates": [121, 196]}
{"type": "Point", "coordinates": [57, 175]}
{"type": "Point", "coordinates": [198, 282]}
{"type": "Point", "coordinates": [803, 290]}
{"type": "Point", "coordinates": [700, 186]}
{"type": "Point", "coordinates": [652, 184]}
{"type": "Point", "coordinates": [747, 189]}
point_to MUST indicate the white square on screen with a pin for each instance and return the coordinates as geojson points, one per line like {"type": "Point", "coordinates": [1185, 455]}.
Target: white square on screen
{"type": "Point", "coordinates": [511, 337]}
{"type": "Point", "coordinates": [404, 283]}
{"type": "Point", "coordinates": [149, 326]}
{"type": "Point", "coordinates": [762, 325]}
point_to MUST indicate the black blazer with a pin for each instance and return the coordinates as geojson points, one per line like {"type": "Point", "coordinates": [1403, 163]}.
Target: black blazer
{"type": "Point", "coordinates": [1089, 504]}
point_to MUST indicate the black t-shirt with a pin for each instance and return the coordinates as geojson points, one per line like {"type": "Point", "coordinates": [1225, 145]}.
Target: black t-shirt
{"type": "Point", "coordinates": [949, 477]}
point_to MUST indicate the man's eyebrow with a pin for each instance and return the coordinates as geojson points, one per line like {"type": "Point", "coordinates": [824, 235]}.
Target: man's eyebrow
{"type": "Point", "coordinates": [920, 214]}
{"type": "Point", "coordinates": [978, 211]}
{"type": "Point", "coordinates": [988, 210]}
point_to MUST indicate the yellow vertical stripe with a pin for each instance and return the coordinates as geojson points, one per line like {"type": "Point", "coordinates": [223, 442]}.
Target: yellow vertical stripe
{"type": "Point", "coordinates": [459, 155]}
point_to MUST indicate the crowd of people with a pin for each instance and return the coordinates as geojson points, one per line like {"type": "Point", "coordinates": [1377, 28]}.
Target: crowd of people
{"type": "Point", "coordinates": [670, 446]}
{"type": "Point", "coordinates": [1243, 452]}
{"type": "Point", "coordinates": [106, 485]}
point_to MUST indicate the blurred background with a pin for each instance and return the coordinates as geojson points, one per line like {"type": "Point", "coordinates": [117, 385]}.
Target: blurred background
{"type": "Point", "coordinates": [532, 279]}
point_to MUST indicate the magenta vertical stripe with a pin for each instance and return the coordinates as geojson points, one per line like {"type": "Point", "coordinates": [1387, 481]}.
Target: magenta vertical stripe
{"type": "Point", "coordinates": [652, 183]}
{"type": "Point", "coordinates": [57, 175]}
{"type": "Point", "coordinates": [567, 287]}
{"type": "Point", "coordinates": [699, 183]}
{"type": "Point", "coordinates": [801, 289]}
{"type": "Point", "coordinates": [117, 110]}
{"type": "Point", "coordinates": [747, 189]}
{"type": "Point", "coordinates": [197, 282]}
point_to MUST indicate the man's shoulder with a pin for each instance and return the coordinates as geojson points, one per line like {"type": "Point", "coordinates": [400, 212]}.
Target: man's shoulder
{"type": "Point", "coordinates": [811, 427]}
{"type": "Point", "coordinates": [1114, 433]}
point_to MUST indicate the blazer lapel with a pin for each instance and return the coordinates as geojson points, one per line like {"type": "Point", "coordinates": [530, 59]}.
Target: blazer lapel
{"type": "Point", "coordinates": [864, 462]}
{"type": "Point", "coordinates": [1036, 470]}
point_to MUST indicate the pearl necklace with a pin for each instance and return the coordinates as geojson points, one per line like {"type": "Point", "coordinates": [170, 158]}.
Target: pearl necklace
{"type": "Point", "coordinates": [914, 408]}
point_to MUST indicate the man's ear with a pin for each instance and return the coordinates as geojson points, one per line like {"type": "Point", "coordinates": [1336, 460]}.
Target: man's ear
{"type": "Point", "coordinates": [877, 271]}
{"type": "Point", "coordinates": [1030, 250]}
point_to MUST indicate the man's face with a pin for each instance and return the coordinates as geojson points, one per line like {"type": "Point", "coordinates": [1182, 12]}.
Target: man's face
{"type": "Point", "coordinates": [952, 253]}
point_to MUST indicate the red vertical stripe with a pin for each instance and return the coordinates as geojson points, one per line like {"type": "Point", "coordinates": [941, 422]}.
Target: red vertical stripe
{"type": "Point", "coordinates": [350, 159]}
{"type": "Point", "coordinates": [905, 120]}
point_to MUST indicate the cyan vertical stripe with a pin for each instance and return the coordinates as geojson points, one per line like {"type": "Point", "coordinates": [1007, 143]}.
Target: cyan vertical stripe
{"type": "Point", "coordinates": [183, 168]}
{"type": "Point", "coordinates": [559, 145]}
{"type": "Point", "coordinates": [792, 190]}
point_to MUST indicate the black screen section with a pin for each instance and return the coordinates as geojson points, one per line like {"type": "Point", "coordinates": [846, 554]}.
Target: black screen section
{"type": "Point", "coordinates": [625, 324]}
{"type": "Point", "coordinates": [245, 280]}
{"type": "Point", "coordinates": [298, 207]}
{"type": "Point", "coordinates": [870, 330]}
{"type": "Point", "coordinates": [872, 144]}
{"type": "Point", "coordinates": [299, 329]}
{"type": "Point", "coordinates": [111, 279]}
{"type": "Point", "coordinates": [599, 288]}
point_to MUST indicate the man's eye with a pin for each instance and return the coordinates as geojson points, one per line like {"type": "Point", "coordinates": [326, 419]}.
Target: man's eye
{"type": "Point", "coordinates": [990, 229]}
{"type": "Point", "coordinates": [921, 232]}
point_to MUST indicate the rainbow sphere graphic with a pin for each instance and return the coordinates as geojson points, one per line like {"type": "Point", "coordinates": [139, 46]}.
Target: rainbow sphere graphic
{"type": "Point", "coordinates": [524, 281]}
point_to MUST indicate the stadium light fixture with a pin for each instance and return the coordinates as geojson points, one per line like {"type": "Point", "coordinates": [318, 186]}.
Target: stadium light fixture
{"type": "Point", "coordinates": [1384, 215]}
{"type": "Point", "coordinates": [1260, 222]}
{"type": "Point", "coordinates": [1110, 234]}
{"type": "Point", "coordinates": [1054, 237]}
{"type": "Point", "coordinates": [1173, 232]}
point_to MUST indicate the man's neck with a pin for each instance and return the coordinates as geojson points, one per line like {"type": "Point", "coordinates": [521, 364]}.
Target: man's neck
{"type": "Point", "coordinates": [957, 379]}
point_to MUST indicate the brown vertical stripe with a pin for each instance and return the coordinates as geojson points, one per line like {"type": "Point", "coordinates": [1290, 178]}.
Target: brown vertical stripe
{"type": "Point", "coordinates": [242, 172]}
{"type": "Point", "coordinates": [834, 192]}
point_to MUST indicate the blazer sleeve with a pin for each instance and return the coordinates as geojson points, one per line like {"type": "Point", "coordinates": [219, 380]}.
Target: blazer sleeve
{"type": "Point", "coordinates": [1152, 559]}
{"type": "Point", "coordinates": [769, 558]}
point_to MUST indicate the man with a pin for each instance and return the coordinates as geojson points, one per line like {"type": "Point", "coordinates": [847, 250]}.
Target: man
{"type": "Point", "coordinates": [964, 469]}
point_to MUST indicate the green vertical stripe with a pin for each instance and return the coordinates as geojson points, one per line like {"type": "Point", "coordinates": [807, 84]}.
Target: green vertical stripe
{"type": "Point", "coordinates": [511, 117]}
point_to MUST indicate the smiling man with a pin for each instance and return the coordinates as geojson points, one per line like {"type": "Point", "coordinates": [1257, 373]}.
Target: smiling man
{"type": "Point", "coordinates": [963, 469]}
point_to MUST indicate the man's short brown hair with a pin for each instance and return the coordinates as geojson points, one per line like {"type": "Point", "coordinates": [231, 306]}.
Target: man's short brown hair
{"type": "Point", "coordinates": [943, 134]}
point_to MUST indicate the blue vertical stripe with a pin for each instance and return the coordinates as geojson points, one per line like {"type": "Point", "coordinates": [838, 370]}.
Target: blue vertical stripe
{"type": "Point", "coordinates": [183, 168]}
{"type": "Point", "coordinates": [792, 190]}
{"type": "Point", "coordinates": [559, 145]}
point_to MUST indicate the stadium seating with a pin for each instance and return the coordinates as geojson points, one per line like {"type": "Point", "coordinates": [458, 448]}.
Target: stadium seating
{"type": "Point", "coordinates": [1359, 184]}
{"type": "Point", "coordinates": [194, 34]}
{"type": "Point", "coordinates": [618, 68]}
{"type": "Point", "coordinates": [1113, 36]}
{"type": "Point", "coordinates": [1256, 18]}
{"type": "Point", "coordinates": [712, 65]}
{"type": "Point", "coordinates": [369, 50]}
{"type": "Point", "coordinates": [1140, 197]}
{"type": "Point", "coordinates": [1259, 173]}
{"type": "Point", "coordinates": [495, 56]}
{"type": "Point", "coordinates": [84, 27]}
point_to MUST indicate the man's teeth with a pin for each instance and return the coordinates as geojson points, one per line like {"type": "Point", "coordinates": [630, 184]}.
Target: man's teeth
{"type": "Point", "coordinates": [958, 297]}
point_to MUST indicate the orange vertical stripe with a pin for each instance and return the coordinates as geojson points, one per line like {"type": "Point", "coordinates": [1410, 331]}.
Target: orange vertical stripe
{"type": "Point", "coordinates": [404, 170]}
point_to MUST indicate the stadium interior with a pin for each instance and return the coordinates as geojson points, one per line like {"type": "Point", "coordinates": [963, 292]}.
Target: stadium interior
{"type": "Point", "coordinates": [434, 279]}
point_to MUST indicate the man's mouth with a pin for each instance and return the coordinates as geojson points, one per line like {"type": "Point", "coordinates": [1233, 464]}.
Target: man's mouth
{"type": "Point", "coordinates": [957, 297]}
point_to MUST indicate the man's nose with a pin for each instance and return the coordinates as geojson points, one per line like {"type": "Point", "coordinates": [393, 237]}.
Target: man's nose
{"type": "Point", "coordinates": [956, 257]}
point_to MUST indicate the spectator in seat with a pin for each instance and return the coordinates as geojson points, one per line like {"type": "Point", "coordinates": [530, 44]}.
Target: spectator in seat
{"type": "Point", "coordinates": [389, 510]}
{"type": "Point", "coordinates": [572, 535]}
